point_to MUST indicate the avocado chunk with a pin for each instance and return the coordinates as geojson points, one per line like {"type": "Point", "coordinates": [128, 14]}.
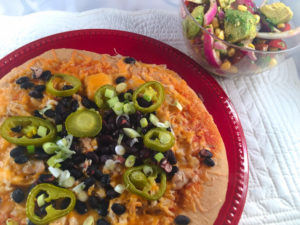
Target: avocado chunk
{"type": "Point", "coordinates": [239, 25]}
{"type": "Point", "coordinates": [277, 13]}
{"type": "Point", "coordinates": [190, 27]}
{"type": "Point", "coordinates": [225, 3]}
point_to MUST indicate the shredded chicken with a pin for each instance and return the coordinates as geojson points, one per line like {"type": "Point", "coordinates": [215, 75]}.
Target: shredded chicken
{"type": "Point", "coordinates": [179, 180]}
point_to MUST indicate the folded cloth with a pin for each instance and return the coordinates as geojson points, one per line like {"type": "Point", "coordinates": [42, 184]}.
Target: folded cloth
{"type": "Point", "coordinates": [268, 104]}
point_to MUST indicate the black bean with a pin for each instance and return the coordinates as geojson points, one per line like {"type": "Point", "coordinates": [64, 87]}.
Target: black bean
{"type": "Point", "coordinates": [118, 209]}
{"type": "Point", "coordinates": [18, 195]}
{"type": "Point", "coordinates": [130, 91]}
{"type": "Point", "coordinates": [81, 207]}
{"type": "Point", "coordinates": [144, 153]}
{"type": "Point", "coordinates": [94, 202]}
{"type": "Point", "coordinates": [103, 207]}
{"type": "Point", "coordinates": [19, 150]}
{"type": "Point", "coordinates": [36, 94]}
{"type": "Point", "coordinates": [16, 129]}
{"type": "Point", "coordinates": [40, 154]}
{"type": "Point", "coordinates": [46, 75]}
{"type": "Point", "coordinates": [97, 174]}
{"type": "Point", "coordinates": [103, 150]}
{"type": "Point", "coordinates": [88, 103]}
{"type": "Point", "coordinates": [50, 113]}
{"type": "Point", "coordinates": [88, 182]}
{"type": "Point", "coordinates": [111, 193]}
{"type": "Point", "coordinates": [104, 179]}
{"type": "Point", "coordinates": [158, 179]}
{"type": "Point", "coordinates": [121, 97]}
{"type": "Point", "coordinates": [93, 156]}
{"type": "Point", "coordinates": [170, 157]}
{"type": "Point", "coordinates": [66, 101]}
{"type": "Point", "coordinates": [91, 170]}
{"type": "Point", "coordinates": [46, 178]}
{"type": "Point", "coordinates": [129, 60]}
{"type": "Point", "coordinates": [120, 79]}
{"type": "Point", "coordinates": [21, 159]}
{"type": "Point", "coordinates": [78, 158]}
{"type": "Point", "coordinates": [105, 139]}
{"type": "Point", "coordinates": [31, 186]}
{"type": "Point", "coordinates": [144, 103]}
{"type": "Point", "coordinates": [27, 85]}
{"type": "Point", "coordinates": [123, 122]}
{"type": "Point", "coordinates": [182, 220]}
{"type": "Point", "coordinates": [67, 87]}
{"type": "Point", "coordinates": [58, 118]}
{"type": "Point", "coordinates": [22, 80]}
{"type": "Point", "coordinates": [204, 153]}
{"type": "Point", "coordinates": [76, 173]}
{"type": "Point", "coordinates": [40, 88]}
{"type": "Point", "coordinates": [65, 203]}
{"type": "Point", "coordinates": [74, 105]}
{"type": "Point", "coordinates": [37, 114]}
{"type": "Point", "coordinates": [209, 162]}
{"type": "Point", "coordinates": [102, 222]}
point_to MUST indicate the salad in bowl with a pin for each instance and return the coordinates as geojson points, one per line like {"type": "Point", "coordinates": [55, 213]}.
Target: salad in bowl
{"type": "Point", "coordinates": [239, 37]}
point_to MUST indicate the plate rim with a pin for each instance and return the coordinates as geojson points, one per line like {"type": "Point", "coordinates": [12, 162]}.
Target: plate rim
{"type": "Point", "coordinates": [8, 62]}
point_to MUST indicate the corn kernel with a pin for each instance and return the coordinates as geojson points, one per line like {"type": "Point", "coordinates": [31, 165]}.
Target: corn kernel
{"type": "Point", "coordinates": [273, 62]}
{"type": "Point", "coordinates": [251, 46]}
{"type": "Point", "coordinates": [242, 8]}
{"type": "Point", "coordinates": [234, 69]}
{"type": "Point", "coordinates": [226, 65]}
{"type": "Point", "coordinates": [221, 35]}
{"type": "Point", "coordinates": [215, 23]}
{"type": "Point", "coordinates": [218, 54]}
{"type": "Point", "coordinates": [231, 52]}
{"type": "Point", "coordinates": [281, 26]}
{"type": "Point", "coordinates": [257, 18]}
{"type": "Point", "coordinates": [217, 31]}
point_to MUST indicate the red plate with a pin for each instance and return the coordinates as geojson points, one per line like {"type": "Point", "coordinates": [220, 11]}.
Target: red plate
{"type": "Point", "coordinates": [149, 50]}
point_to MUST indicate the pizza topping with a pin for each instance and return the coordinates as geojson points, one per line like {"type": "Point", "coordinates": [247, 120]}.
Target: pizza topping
{"type": "Point", "coordinates": [35, 94]}
{"type": "Point", "coordinates": [30, 126]}
{"type": "Point", "coordinates": [52, 193]}
{"type": "Point", "coordinates": [209, 162]}
{"type": "Point", "coordinates": [81, 207]}
{"type": "Point", "coordinates": [144, 185]}
{"type": "Point", "coordinates": [129, 60]}
{"type": "Point", "coordinates": [36, 72]}
{"type": "Point", "coordinates": [84, 123]}
{"type": "Point", "coordinates": [204, 153]}
{"type": "Point", "coordinates": [151, 91]}
{"type": "Point", "coordinates": [118, 209]}
{"type": "Point", "coordinates": [102, 222]}
{"type": "Point", "coordinates": [22, 80]}
{"type": "Point", "coordinates": [62, 78]}
{"type": "Point", "coordinates": [103, 94]}
{"type": "Point", "coordinates": [27, 85]}
{"type": "Point", "coordinates": [120, 79]}
{"type": "Point", "coordinates": [18, 195]}
{"type": "Point", "coordinates": [159, 140]}
{"type": "Point", "coordinates": [182, 220]}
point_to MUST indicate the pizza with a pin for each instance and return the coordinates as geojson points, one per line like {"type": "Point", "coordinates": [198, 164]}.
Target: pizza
{"type": "Point", "coordinates": [92, 138]}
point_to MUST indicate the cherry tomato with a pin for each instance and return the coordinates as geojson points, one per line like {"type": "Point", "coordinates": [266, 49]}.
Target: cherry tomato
{"type": "Point", "coordinates": [287, 27]}
{"type": "Point", "coordinates": [280, 44]}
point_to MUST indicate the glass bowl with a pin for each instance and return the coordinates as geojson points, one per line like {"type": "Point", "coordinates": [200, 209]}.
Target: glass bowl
{"type": "Point", "coordinates": [230, 60]}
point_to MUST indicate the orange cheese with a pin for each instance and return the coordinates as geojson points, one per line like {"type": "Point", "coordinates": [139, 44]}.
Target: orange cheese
{"type": "Point", "coordinates": [93, 82]}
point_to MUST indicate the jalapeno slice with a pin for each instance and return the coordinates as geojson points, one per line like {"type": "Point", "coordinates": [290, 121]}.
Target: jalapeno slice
{"type": "Point", "coordinates": [75, 82]}
{"type": "Point", "coordinates": [100, 98]}
{"type": "Point", "coordinates": [159, 139]}
{"type": "Point", "coordinates": [84, 123]}
{"type": "Point", "coordinates": [151, 91]}
{"type": "Point", "coordinates": [137, 182]}
{"type": "Point", "coordinates": [53, 193]}
{"type": "Point", "coordinates": [30, 126]}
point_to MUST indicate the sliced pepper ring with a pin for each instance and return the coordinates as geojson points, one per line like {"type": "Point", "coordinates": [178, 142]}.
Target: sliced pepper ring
{"type": "Point", "coordinates": [25, 121]}
{"type": "Point", "coordinates": [74, 81]}
{"type": "Point", "coordinates": [159, 98]}
{"type": "Point", "coordinates": [54, 193]}
{"type": "Point", "coordinates": [159, 139]}
{"type": "Point", "coordinates": [100, 98]}
{"type": "Point", "coordinates": [139, 183]}
{"type": "Point", "coordinates": [84, 123]}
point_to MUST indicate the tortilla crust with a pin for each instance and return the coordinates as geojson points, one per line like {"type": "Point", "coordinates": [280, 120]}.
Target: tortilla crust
{"type": "Point", "coordinates": [209, 198]}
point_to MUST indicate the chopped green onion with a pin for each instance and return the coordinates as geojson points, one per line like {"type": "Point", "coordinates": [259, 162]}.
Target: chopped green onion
{"type": "Point", "coordinates": [82, 196]}
{"type": "Point", "coordinates": [153, 119]}
{"type": "Point", "coordinates": [121, 87]}
{"type": "Point", "coordinates": [111, 102]}
{"type": "Point", "coordinates": [149, 94]}
{"type": "Point", "coordinates": [128, 96]}
{"type": "Point", "coordinates": [130, 161]}
{"type": "Point", "coordinates": [69, 182]}
{"type": "Point", "coordinates": [129, 108]}
{"type": "Point", "coordinates": [118, 108]}
{"type": "Point", "coordinates": [159, 156]}
{"type": "Point", "coordinates": [50, 147]}
{"type": "Point", "coordinates": [120, 150]}
{"type": "Point", "coordinates": [144, 122]}
{"type": "Point", "coordinates": [120, 138]}
{"type": "Point", "coordinates": [78, 188]}
{"type": "Point", "coordinates": [30, 149]}
{"type": "Point", "coordinates": [109, 93]}
{"type": "Point", "coordinates": [41, 200]}
{"type": "Point", "coordinates": [178, 105]}
{"type": "Point", "coordinates": [164, 138]}
{"type": "Point", "coordinates": [131, 132]}
{"type": "Point", "coordinates": [148, 171]}
{"type": "Point", "coordinates": [120, 188]}
{"type": "Point", "coordinates": [59, 127]}
{"type": "Point", "coordinates": [89, 221]}
{"type": "Point", "coordinates": [42, 131]}
{"type": "Point", "coordinates": [11, 222]}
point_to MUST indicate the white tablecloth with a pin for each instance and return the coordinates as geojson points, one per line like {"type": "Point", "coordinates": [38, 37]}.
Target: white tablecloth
{"type": "Point", "coordinates": [267, 104]}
